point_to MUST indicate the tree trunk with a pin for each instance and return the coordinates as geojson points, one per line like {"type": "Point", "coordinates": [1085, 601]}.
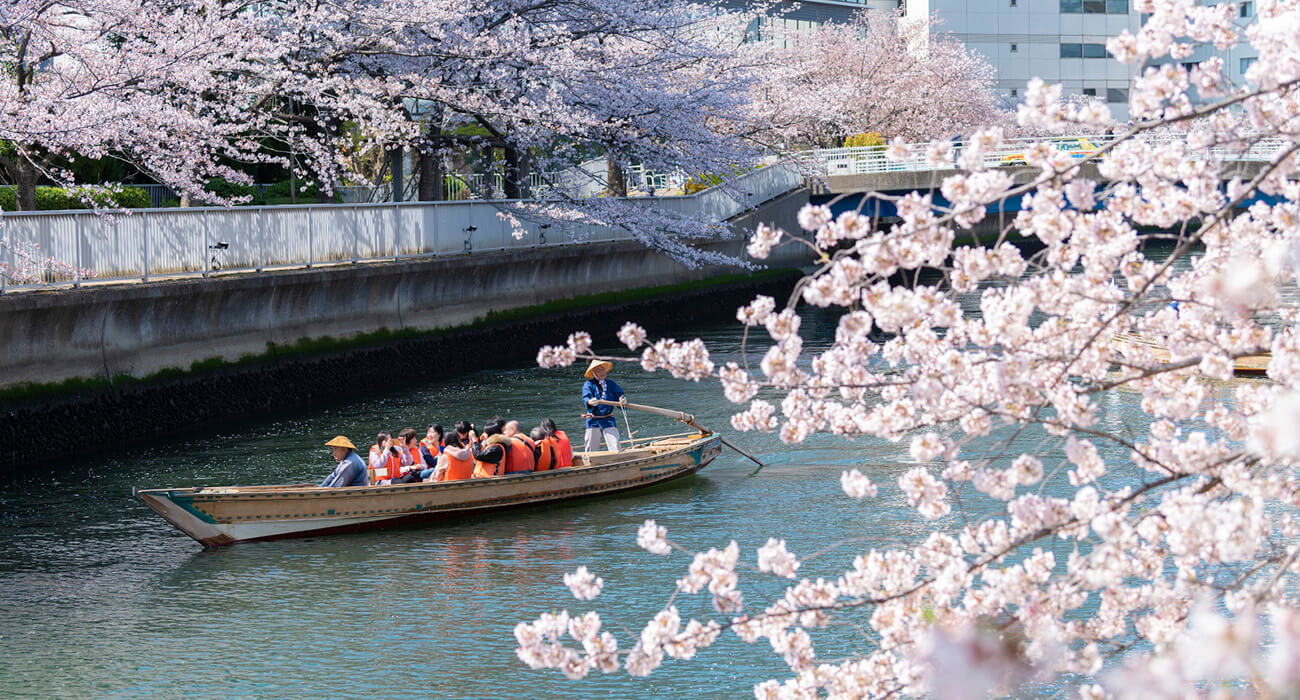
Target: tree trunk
{"type": "Point", "coordinates": [25, 178]}
{"type": "Point", "coordinates": [399, 170]}
{"type": "Point", "coordinates": [429, 165]}
{"type": "Point", "coordinates": [516, 175]}
{"type": "Point", "coordinates": [615, 180]}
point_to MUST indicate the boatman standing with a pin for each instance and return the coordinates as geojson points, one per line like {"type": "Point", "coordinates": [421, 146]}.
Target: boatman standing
{"type": "Point", "coordinates": [351, 470]}
{"type": "Point", "coordinates": [600, 418]}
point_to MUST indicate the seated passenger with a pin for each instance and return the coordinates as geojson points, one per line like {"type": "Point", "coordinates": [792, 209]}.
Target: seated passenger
{"type": "Point", "coordinates": [563, 448]}
{"type": "Point", "coordinates": [430, 447]}
{"type": "Point", "coordinates": [522, 456]}
{"type": "Point", "coordinates": [385, 459]}
{"type": "Point", "coordinates": [491, 452]}
{"type": "Point", "coordinates": [409, 453]}
{"type": "Point", "coordinates": [351, 471]}
{"type": "Point", "coordinates": [456, 461]}
{"type": "Point", "coordinates": [546, 454]}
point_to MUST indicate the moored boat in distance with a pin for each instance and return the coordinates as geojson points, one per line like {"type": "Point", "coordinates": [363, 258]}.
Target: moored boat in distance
{"type": "Point", "coordinates": [1131, 345]}
{"type": "Point", "coordinates": [222, 515]}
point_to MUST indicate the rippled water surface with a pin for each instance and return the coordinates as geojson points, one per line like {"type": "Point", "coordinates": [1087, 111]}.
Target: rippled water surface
{"type": "Point", "coordinates": [99, 597]}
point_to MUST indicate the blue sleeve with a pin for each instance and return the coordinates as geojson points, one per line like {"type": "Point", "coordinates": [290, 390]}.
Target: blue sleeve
{"type": "Point", "coordinates": [357, 473]}
{"type": "Point", "coordinates": [588, 392]}
{"type": "Point", "coordinates": [332, 480]}
{"type": "Point", "coordinates": [616, 391]}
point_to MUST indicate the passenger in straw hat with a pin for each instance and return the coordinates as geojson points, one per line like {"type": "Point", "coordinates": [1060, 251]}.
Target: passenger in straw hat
{"type": "Point", "coordinates": [600, 418]}
{"type": "Point", "coordinates": [351, 470]}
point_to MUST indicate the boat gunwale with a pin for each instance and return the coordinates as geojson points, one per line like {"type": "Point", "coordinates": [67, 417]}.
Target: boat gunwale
{"type": "Point", "coordinates": [213, 493]}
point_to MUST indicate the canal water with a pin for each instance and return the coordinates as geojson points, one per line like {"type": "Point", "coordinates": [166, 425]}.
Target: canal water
{"type": "Point", "coordinates": [99, 597]}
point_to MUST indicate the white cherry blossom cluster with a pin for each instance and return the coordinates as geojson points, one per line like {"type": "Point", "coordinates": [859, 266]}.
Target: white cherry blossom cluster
{"type": "Point", "coordinates": [583, 584]}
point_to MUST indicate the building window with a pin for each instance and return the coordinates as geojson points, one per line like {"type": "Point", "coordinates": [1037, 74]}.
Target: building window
{"type": "Point", "coordinates": [1094, 7]}
{"type": "Point", "coordinates": [1190, 65]}
{"type": "Point", "coordinates": [1013, 3]}
{"type": "Point", "coordinates": [1015, 92]}
{"type": "Point", "coordinates": [1245, 9]}
{"type": "Point", "coordinates": [1246, 63]}
{"type": "Point", "coordinates": [1090, 92]}
{"type": "Point", "coordinates": [1117, 95]}
{"type": "Point", "coordinates": [1083, 51]}
{"type": "Point", "coordinates": [1014, 48]}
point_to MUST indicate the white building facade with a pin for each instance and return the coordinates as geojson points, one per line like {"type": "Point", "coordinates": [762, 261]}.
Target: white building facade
{"type": "Point", "coordinates": [1060, 41]}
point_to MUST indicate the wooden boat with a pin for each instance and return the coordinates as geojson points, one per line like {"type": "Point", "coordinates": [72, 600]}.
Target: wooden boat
{"type": "Point", "coordinates": [222, 515]}
{"type": "Point", "coordinates": [1131, 344]}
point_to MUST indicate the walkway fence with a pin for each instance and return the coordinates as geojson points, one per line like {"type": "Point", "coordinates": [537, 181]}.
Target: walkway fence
{"type": "Point", "coordinates": [152, 243]}
{"type": "Point", "coordinates": [872, 160]}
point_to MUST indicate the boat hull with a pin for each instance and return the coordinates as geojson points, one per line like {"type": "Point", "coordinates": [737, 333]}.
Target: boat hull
{"type": "Point", "coordinates": [228, 515]}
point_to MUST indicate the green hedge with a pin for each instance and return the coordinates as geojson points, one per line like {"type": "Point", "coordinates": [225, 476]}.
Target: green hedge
{"type": "Point", "coordinates": [57, 198]}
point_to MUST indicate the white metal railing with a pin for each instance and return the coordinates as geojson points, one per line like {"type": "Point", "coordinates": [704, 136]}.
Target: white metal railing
{"type": "Point", "coordinates": [872, 160]}
{"type": "Point", "coordinates": [149, 243]}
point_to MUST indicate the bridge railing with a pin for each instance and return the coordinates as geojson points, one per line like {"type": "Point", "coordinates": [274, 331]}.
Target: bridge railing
{"type": "Point", "coordinates": [872, 160]}
{"type": "Point", "coordinates": [151, 243]}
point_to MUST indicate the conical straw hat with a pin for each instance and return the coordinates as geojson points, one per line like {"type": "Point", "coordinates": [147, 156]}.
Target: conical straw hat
{"type": "Point", "coordinates": [598, 363]}
{"type": "Point", "coordinates": [341, 441]}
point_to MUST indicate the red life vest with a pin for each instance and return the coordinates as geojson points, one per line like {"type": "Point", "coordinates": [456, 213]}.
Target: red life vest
{"type": "Point", "coordinates": [563, 450]}
{"type": "Point", "coordinates": [389, 468]}
{"type": "Point", "coordinates": [519, 458]}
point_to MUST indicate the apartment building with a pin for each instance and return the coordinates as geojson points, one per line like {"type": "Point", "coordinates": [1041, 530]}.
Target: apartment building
{"type": "Point", "coordinates": [1060, 41]}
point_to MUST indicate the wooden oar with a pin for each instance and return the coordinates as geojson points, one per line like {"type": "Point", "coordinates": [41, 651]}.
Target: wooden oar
{"type": "Point", "coordinates": [686, 418]}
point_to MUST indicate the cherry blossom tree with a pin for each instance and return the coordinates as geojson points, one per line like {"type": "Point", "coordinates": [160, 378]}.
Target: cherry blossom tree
{"type": "Point", "coordinates": [1152, 559]}
{"type": "Point", "coordinates": [653, 84]}
{"type": "Point", "coordinates": [158, 84]}
{"type": "Point", "coordinates": [878, 73]}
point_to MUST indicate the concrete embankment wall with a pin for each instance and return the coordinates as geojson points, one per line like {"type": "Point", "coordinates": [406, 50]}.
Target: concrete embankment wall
{"type": "Point", "coordinates": [139, 329]}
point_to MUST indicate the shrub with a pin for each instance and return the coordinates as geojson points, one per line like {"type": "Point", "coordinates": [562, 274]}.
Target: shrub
{"type": "Point", "coordinates": [279, 193]}
{"type": "Point", "coordinates": [58, 198]}
{"type": "Point", "coordinates": [126, 197]}
{"type": "Point", "coordinates": [700, 182]}
{"type": "Point", "coordinates": [228, 190]}
{"type": "Point", "coordinates": [866, 140]}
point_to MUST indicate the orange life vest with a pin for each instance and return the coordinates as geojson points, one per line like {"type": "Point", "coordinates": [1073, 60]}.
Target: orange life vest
{"type": "Point", "coordinates": [520, 457]}
{"type": "Point", "coordinates": [417, 462]}
{"type": "Point", "coordinates": [389, 469]}
{"type": "Point", "coordinates": [546, 454]}
{"type": "Point", "coordinates": [457, 468]}
{"type": "Point", "coordinates": [563, 450]}
{"type": "Point", "coordinates": [482, 469]}
{"type": "Point", "coordinates": [432, 446]}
